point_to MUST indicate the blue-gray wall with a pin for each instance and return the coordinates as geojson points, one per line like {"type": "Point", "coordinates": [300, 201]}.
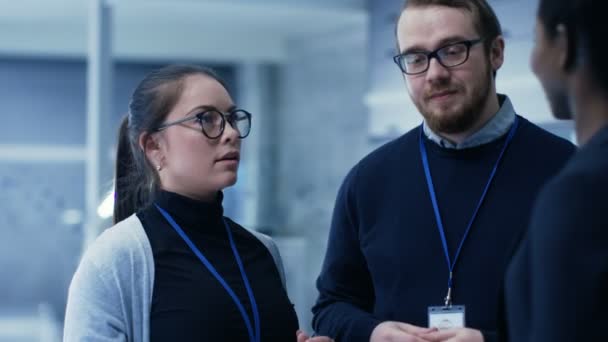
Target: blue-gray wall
{"type": "Point", "coordinates": [44, 103]}
{"type": "Point", "coordinates": [322, 132]}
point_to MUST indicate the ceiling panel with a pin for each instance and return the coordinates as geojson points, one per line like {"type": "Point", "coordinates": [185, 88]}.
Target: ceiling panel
{"type": "Point", "coordinates": [175, 29]}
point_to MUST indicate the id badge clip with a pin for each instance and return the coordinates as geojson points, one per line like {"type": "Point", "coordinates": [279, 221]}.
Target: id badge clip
{"type": "Point", "coordinates": [446, 317]}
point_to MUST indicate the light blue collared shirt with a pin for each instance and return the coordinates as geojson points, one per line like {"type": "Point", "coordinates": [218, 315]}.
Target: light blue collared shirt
{"type": "Point", "coordinates": [494, 129]}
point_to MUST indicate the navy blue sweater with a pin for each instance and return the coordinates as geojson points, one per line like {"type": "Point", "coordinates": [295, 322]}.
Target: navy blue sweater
{"type": "Point", "coordinates": [385, 260]}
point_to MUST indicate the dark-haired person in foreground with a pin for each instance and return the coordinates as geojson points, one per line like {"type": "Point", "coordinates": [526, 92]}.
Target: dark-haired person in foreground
{"type": "Point", "coordinates": [557, 283]}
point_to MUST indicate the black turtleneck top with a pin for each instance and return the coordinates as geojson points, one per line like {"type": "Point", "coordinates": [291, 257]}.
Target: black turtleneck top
{"type": "Point", "coordinates": [188, 302]}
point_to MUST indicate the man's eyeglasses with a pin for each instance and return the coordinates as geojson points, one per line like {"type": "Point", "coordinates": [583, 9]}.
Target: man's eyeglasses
{"type": "Point", "coordinates": [451, 55]}
{"type": "Point", "coordinates": [213, 122]}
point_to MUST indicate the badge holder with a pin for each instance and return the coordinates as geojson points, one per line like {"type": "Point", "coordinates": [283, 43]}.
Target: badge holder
{"type": "Point", "coordinates": [446, 317]}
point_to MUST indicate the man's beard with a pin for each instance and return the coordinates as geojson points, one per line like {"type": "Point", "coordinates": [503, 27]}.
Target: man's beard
{"type": "Point", "coordinates": [469, 113]}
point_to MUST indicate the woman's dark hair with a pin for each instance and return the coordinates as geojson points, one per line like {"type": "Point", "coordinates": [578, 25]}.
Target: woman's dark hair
{"type": "Point", "coordinates": [154, 97]}
{"type": "Point", "coordinates": [584, 22]}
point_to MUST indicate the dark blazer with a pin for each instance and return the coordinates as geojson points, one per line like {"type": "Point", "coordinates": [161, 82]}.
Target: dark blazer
{"type": "Point", "coordinates": [556, 287]}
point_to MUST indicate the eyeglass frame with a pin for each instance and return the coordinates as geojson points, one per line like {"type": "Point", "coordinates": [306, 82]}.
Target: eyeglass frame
{"type": "Point", "coordinates": [435, 54]}
{"type": "Point", "coordinates": [199, 116]}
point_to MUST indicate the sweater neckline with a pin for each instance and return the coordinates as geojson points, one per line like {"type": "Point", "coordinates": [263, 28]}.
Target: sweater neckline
{"type": "Point", "coordinates": [473, 152]}
{"type": "Point", "coordinates": [193, 214]}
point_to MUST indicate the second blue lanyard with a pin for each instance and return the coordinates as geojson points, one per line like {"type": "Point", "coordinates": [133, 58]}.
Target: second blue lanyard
{"type": "Point", "coordinates": [254, 335]}
{"type": "Point", "coordinates": [429, 181]}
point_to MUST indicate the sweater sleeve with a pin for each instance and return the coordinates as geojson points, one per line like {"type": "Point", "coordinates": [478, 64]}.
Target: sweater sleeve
{"type": "Point", "coordinates": [569, 261]}
{"type": "Point", "coordinates": [274, 251]}
{"type": "Point", "coordinates": [489, 336]}
{"type": "Point", "coordinates": [346, 293]}
{"type": "Point", "coordinates": [94, 308]}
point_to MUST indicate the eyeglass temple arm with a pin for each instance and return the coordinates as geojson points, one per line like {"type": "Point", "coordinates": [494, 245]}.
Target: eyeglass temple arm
{"type": "Point", "coordinates": [165, 125]}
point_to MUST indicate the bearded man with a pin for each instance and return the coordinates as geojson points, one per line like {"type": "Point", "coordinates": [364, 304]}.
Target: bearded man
{"type": "Point", "coordinates": [424, 226]}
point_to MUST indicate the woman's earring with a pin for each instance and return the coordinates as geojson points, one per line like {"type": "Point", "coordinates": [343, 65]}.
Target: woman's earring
{"type": "Point", "coordinates": [159, 167]}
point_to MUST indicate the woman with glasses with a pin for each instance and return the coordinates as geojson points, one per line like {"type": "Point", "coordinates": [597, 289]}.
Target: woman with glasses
{"type": "Point", "coordinates": [173, 268]}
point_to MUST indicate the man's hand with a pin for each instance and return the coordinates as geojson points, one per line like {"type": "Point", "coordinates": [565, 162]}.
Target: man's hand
{"type": "Point", "coordinates": [400, 332]}
{"type": "Point", "coordinates": [303, 337]}
{"type": "Point", "coordinates": [455, 335]}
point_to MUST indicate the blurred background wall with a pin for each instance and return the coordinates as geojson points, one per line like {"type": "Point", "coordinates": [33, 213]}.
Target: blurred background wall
{"type": "Point", "coordinates": [316, 74]}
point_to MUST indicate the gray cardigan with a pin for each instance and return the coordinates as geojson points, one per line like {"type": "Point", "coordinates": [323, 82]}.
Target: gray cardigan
{"type": "Point", "coordinates": [111, 293]}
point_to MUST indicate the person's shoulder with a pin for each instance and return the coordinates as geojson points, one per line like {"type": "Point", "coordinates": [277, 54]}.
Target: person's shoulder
{"type": "Point", "coordinates": [112, 273]}
{"type": "Point", "coordinates": [265, 239]}
{"type": "Point", "coordinates": [262, 241]}
{"type": "Point", "coordinates": [118, 244]}
{"type": "Point", "coordinates": [398, 145]}
{"type": "Point", "coordinates": [570, 210]}
{"type": "Point", "coordinates": [392, 153]}
{"type": "Point", "coordinates": [587, 170]}
{"type": "Point", "coordinates": [541, 138]}
{"type": "Point", "coordinates": [270, 244]}
{"type": "Point", "coordinates": [576, 194]}
{"type": "Point", "coordinates": [590, 161]}
{"type": "Point", "coordinates": [382, 161]}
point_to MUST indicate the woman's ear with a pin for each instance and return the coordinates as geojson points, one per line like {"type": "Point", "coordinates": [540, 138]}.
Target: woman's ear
{"type": "Point", "coordinates": [150, 143]}
{"type": "Point", "coordinates": [565, 48]}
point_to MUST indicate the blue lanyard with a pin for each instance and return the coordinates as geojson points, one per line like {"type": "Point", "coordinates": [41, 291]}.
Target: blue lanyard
{"type": "Point", "coordinates": [253, 336]}
{"type": "Point", "coordinates": [429, 181]}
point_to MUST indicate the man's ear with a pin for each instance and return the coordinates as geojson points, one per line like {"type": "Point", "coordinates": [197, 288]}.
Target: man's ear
{"type": "Point", "coordinates": [497, 52]}
{"type": "Point", "coordinates": [151, 145]}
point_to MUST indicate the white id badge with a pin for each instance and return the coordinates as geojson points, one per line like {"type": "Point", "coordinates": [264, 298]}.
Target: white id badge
{"type": "Point", "coordinates": [446, 317]}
